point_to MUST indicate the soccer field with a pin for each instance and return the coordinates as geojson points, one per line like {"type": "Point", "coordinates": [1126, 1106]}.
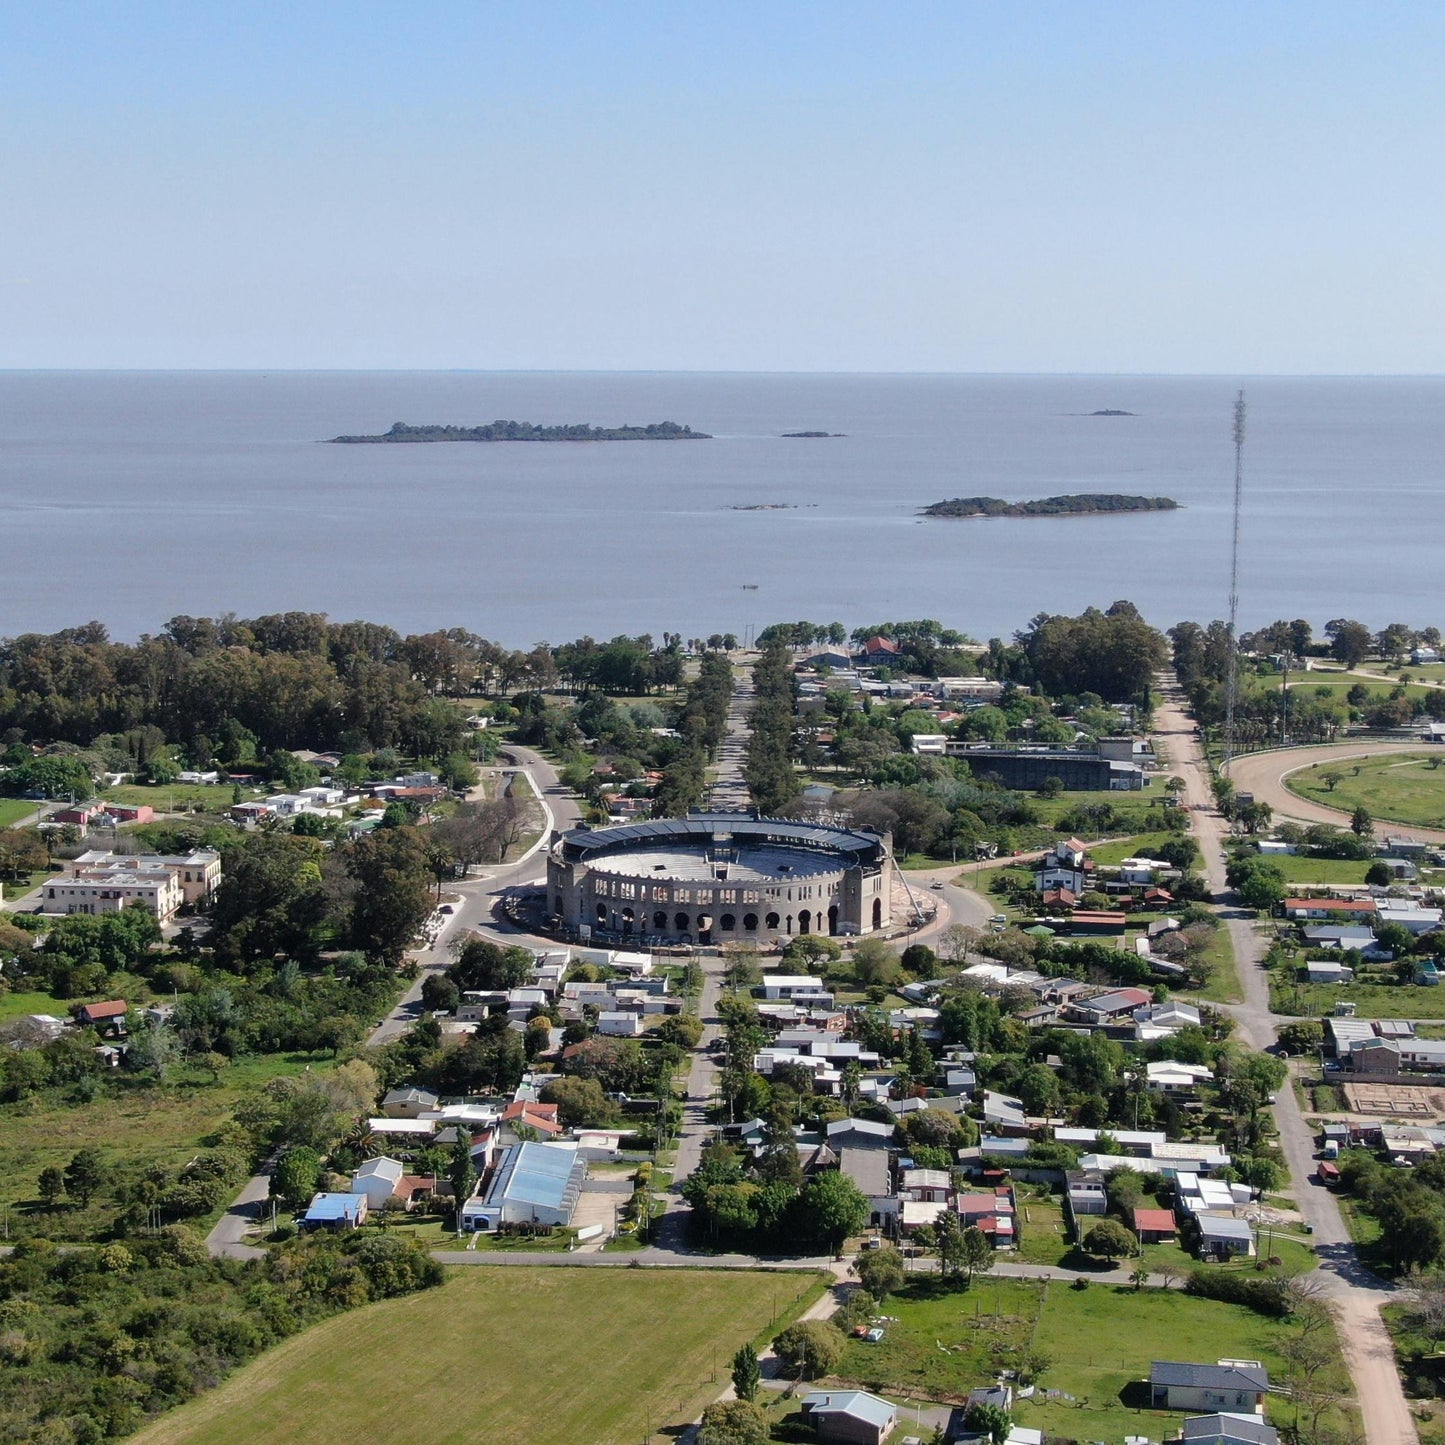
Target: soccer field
{"type": "Point", "coordinates": [548, 1356]}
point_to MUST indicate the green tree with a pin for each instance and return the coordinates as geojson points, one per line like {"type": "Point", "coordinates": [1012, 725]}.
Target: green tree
{"type": "Point", "coordinates": [880, 1272]}
{"type": "Point", "coordinates": [810, 1348]}
{"type": "Point", "coordinates": [976, 1253]}
{"type": "Point", "coordinates": [1110, 1240]}
{"type": "Point", "coordinates": [296, 1175]}
{"type": "Point", "coordinates": [393, 891]}
{"type": "Point", "coordinates": [874, 962]}
{"type": "Point", "coordinates": [84, 1175]}
{"type": "Point", "coordinates": [733, 1422]}
{"type": "Point", "coordinates": [50, 1186]}
{"type": "Point", "coordinates": [747, 1373]}
{"type": "Point", "coordinates": [989, 1419]}
{"type": "Point", "coordinates": [833, 1206]}
{"type": "Point", "coordinates": [461, 1172]}
{"type": "Point", "coordinates": [1362, 825]}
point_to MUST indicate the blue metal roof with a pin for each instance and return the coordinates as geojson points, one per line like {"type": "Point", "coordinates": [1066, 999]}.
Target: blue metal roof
{"type": "Point", "coordinates": [327, 1207]}
{"type": "Point", "coordinates": [542, 1175]}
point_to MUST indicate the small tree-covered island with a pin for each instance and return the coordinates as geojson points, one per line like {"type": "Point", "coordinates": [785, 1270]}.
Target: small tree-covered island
{"type": "Point", "coordinates": [527, 431]}
{"type": "Point", "coordinates": [1081, 504]}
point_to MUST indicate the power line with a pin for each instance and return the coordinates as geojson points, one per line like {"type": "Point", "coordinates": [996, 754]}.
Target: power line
{"type": "Point", "coordinates": [1232, 677]}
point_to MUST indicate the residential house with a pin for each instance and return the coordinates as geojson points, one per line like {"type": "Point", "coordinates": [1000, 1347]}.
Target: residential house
{"type": "Point", "coordinates": [1228, 1429]}
{"type": "Point", "coordinates": [1085, 1192]}
{"type": "Point", "coordinates": [108, 1015]}
{"type": "Point", "coordinates": [1098, 925]}
{"type": "Point", "coordinates": [530, 1115]}
{"type": "Point", "coordinates": [1222, 1238]}
{"type": "Point", "coordinates": [1236, 1386]}
{"type": "Point", "coordinates": [1154, 1226]}
{"type": "Point", "coordinates": [378, 1179]}
{"type": "Point", "coordinates": [619, 1025]}
{"type": "Point", "coordinates": [533, 1183]}
{"type": "Point", "coordinates": [336, 1212]}
{"type": "Point", "coordinates": [1066, 866]}
{"type": "Point", "coordinates": [858, 1134]}
{"type": "Point", "coordinates": [1107, 1007]}
{"type": "Point", "coordinates": [1416, 920]}
{"type": "Point", "coordinates": [1166, 1076]}
{"type": "Point", "coordinates": [408, 1102]}
{"type": "Point", "coordinates": [869, 1170]}
{"type": "Point", "coordinates": [992, 1212]}
{"type": "Point", "coordinates": [1326, 909]}
{"type": "Point", "coordinates": [1004, 1115]}
{"type": "Point", "coordinates": [850, 1417]}
{"type": "Point", "coordinates": [1339, 935]}
{"type": "Point", "coordinates": [1327, 970]}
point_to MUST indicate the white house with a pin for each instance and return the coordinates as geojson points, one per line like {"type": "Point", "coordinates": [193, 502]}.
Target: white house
{"type": "Point", "coordinates": [1166, 1076]}
{"type": "Point", "coordinates": [377, 1180]}
{"type": "Point", "coordinates": [1238, 1386]}
{"type": "Point", "coordinates": [619, 1025]}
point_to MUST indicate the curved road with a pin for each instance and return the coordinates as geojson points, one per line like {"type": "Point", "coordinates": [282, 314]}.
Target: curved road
{"type": "Point", "coordinates": [1263, 774]}
{"type": "Point", "coordinates": [1354, 1293]}
{"type": "Point", "coordinates": [479, 899]}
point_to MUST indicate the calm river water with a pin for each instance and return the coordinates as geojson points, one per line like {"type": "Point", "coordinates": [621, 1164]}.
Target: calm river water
{"type": "Point", "coordinates": [131, 497]}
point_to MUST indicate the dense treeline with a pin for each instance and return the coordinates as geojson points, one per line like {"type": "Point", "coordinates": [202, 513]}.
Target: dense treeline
{"type": "Point", "coordinates": [1201, 660]}
{"type": "Point", "coordinates": [96, 1341]}
{"type": "Point", "coordinates": [769, 768]}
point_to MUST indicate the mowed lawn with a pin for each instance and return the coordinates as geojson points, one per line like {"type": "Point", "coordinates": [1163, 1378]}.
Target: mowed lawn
{"type": "Point", "coordinates": [1399, 787]}
{"type": "Point", "coordinates": [550, 1356]}
{"type": "Point", "coordinates": [13, 809]}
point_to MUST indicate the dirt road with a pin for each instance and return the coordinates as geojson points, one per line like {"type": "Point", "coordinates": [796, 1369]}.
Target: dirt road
{"type": "Point", "coordinates": [1263, 774]}
{"type": "Point", "coordinates": [1354, 1293]}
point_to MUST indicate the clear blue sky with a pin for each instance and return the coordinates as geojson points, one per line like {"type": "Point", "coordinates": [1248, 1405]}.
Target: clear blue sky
{"type": "Point", "coordinates": [1231, 187]}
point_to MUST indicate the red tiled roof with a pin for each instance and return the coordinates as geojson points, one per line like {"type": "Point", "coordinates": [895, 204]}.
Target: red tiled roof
{"type": "Point", "coordinates": [880, 644]}
{"type": "Point", "coordinates": [1160, 1221]}
{"type": "Point", "coordinates": [1334, 905]}
{"type": "Point", "coordinates": [115, 1008]}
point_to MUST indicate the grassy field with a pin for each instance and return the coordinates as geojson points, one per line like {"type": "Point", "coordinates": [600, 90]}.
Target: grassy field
{"type": "Point", "coordinates": [16, 1005]}
{"type": "Point", "coordinates": [168, 797]}
{"type": "Point", "coordinates": [132, 1124]}
{"type": "Point", "coordinates": [1400, 788]}
{"type": "Point", "coordinates": [1371, 1000]}
{"type": "Point", "coordinates": [1101, 1341]}
{"type": "Point", "coordinates": [13, 809]}
{"type": "Point", "coordinates": [1299, 869]}
{"type": "Point", "coordinates": [541, 1356]}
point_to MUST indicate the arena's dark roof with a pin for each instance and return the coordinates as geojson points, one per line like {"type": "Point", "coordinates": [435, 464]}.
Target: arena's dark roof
{"type": "Point", "coordinates": [743, 829]}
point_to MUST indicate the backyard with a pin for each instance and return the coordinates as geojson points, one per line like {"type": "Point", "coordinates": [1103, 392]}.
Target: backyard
{"type": "Point", "coordinates": [1098, 1344]}
{"type": "Point", "coordinates": [543, 1356]}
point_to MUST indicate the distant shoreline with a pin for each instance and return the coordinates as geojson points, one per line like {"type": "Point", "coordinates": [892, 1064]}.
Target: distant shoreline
{"type": "Point", "coordinates": [1081, 504]}
{"type": "Point", "coordinates": [527, 431]}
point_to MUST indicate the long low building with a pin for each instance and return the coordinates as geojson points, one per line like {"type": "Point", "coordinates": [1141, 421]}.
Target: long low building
{"type": "Point", "coordinates": [534, 1183]}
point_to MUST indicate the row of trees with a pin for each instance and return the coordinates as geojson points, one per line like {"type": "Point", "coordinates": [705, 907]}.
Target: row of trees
{"type": "Point", "coordinates": [769, 768]}
{"type": "Point", "coordinates": [703, 725]}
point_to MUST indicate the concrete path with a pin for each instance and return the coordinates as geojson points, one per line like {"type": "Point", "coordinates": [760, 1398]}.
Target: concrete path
{"type": "Point", "coordinates": [247, 1209]}
{"type": "Point", "coordinates": [1354, 1293]}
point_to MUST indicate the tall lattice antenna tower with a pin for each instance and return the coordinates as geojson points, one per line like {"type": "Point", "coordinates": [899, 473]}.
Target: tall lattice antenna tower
{"type": "Point", "coordinates": [1231, 688]}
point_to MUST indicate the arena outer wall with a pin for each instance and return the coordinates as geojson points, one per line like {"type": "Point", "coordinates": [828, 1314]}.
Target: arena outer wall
{"type": "Point", "coordinates": [714, 878]}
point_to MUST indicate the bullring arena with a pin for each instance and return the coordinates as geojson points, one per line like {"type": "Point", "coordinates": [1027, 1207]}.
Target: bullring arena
{"type": "Point", "coordinates": [714, 878]}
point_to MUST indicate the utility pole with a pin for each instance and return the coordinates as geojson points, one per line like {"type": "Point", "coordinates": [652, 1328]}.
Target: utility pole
{"type": "Point", "coordinates": [1232, 677]}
